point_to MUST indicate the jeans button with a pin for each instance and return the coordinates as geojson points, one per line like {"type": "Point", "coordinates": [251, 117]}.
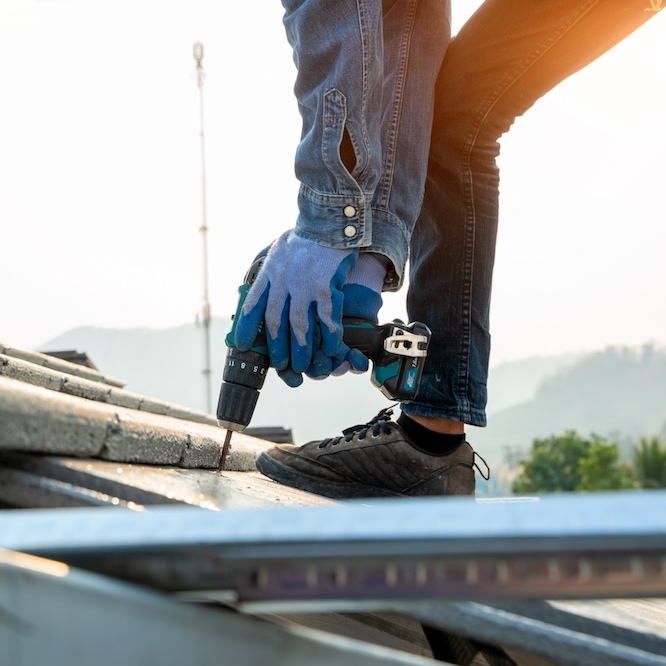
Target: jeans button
{"type": "Point", "coordinates": [350, 231]}
{"type": "Point", "coordinates": [349, 211]}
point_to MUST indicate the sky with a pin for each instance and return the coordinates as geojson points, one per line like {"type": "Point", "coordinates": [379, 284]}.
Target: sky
{"type": "Point", "coordinates": [101, 179]}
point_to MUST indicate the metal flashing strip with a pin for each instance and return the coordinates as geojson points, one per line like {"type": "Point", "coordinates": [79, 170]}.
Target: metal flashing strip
{"type": "Point", "coordinates": [562, 547]}
{"type": "Point", "coordinates": [53, 614]}
{"type": "Point", "coordinates": [536, 628]}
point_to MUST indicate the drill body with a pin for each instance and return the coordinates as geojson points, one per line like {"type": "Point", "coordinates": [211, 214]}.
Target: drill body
{"type": "Point", "coordinates": [397, 351]}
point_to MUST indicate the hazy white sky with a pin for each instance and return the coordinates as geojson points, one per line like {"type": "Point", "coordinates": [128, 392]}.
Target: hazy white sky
{"type": "Point", "coordinates": [100, 181]}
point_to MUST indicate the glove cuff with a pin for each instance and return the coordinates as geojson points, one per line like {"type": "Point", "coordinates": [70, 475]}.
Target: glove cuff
{"type": "Point", "coordinates": [369, 271]}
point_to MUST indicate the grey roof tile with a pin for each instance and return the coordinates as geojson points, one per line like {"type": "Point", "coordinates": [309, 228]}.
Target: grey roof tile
{"type": "Point", "coordinates": [142, 438]}
{"type": "Point", "coordinates": [25, 371]}
{"type": "Point", "coordinates": [205, 453]}
{"type": "Point", "coordinates": [154, 406]}
{"type": "Point", "coordinates": [84, 388]}
{"type": "Point", "coordinates": [124, 398]}
{"type": "Point", "coordinates": [61, 365]}
{"type": "Point", "coordinates": [42, 421]}
{"type": "Point", "coordinates": [17, 367]}
{"type": "Point", "coordinates": [50, 411]}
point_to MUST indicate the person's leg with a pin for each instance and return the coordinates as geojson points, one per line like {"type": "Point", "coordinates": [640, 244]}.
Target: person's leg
{"type": "Point", "coordinates": [379, 459]}
{"type": "Point", "coordinates": [416, 35]}
{"type": "Point", "coordinates": [508, 55]}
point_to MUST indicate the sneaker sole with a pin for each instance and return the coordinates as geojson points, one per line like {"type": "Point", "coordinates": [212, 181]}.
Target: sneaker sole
{"type": "Point", "coordinates": [332, 489]}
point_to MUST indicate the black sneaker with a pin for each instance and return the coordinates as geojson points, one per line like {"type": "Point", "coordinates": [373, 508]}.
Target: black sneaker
{"type": "Point", "coordinates": [376, 459]}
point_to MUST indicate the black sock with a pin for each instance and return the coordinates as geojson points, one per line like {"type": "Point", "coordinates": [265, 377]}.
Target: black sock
{"type": "Point", "coordinates": [428, 440]}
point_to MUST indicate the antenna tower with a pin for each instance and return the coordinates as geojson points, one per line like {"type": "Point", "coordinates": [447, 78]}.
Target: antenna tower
{"type": "Point", "coordinates": [204, 317]}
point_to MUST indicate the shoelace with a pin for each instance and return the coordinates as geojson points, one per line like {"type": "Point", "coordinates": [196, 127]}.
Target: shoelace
{"type": "Point", "coordinates": [377, 424]}
{"type": "Point", "coordinates": [485, 474]}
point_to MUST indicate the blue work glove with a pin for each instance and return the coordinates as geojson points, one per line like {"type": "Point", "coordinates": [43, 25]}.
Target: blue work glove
{"type": "Point", "coordinates": [298, 296]}
{"type": "Point", "coordinates": [362, 297]}
{"type": "Point", "coordinates": [362, 290]}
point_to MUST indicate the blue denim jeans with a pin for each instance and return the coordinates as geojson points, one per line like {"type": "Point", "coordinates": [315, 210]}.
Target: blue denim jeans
{"type": "Point", "coordinates": [399, 145]}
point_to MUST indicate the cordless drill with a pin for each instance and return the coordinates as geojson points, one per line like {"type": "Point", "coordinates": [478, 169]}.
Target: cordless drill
{"type": "Point", "coordinates": [397, 351]}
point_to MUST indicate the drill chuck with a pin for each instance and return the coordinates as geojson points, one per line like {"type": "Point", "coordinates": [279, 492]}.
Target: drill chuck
{"type": "Point", "coordinates": [244, 375]}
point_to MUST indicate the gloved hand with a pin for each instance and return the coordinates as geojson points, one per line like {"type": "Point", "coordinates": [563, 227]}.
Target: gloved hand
{"type": "Point", "coordinates": [298, 296]}
{"type": "Point", "coordinates": [362, 290]}
{"type": "Point", "coordinates": [361, 298]}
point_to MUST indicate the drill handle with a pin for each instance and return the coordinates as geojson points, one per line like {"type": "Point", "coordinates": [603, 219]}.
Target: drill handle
{"type": "Point", "coordinates": [398, 353]}
{"type": "Point", "coordinates": [365, 336]}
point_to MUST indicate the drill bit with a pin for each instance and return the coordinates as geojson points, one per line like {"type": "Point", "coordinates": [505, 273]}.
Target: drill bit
{"type": "Point", "coordinates": [225, 449]}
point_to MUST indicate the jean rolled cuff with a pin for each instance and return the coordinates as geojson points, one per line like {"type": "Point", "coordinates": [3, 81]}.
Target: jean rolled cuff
{"type": "Point", "coordinates": [390, 238]}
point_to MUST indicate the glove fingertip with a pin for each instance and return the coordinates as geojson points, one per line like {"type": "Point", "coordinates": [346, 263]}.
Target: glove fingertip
{"type": "Point", "coordinates": [341, 369]}
{"type": "Point", "coordinates": [358, 361]}
{"type": "Point", "coordinates": [290, 378]}
{"type": "Point", "coordinates": [320, 367]}
{"type": "Point", "coordinates": [300, 359]}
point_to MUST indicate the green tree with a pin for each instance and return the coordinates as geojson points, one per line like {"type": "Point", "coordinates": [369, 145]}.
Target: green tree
{"type": "Point", "coordinates": [601, 469]}
{"type": "Point", "coordinates": [552, 465]}
{"type": "Point", "coordinates": [650, 463]}
{"type": "Point", "coordinates": [569, 462]}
